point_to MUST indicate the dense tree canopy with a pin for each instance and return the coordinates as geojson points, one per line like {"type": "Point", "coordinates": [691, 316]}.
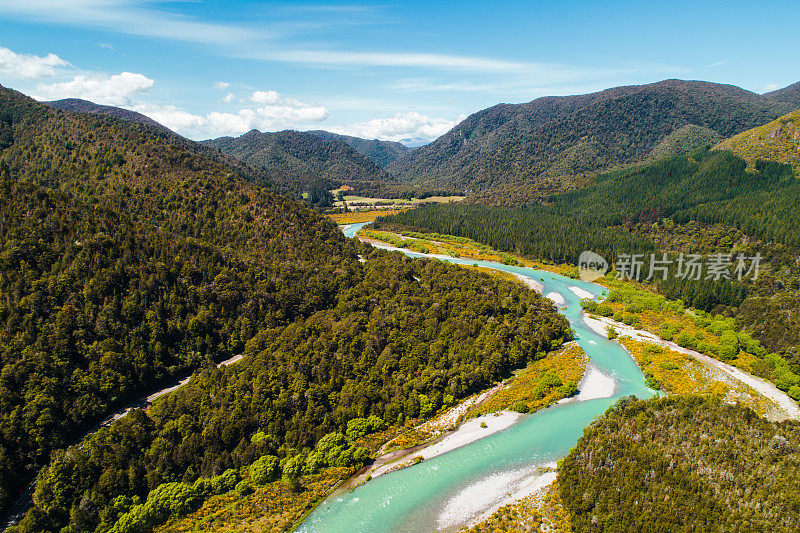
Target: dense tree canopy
{"type": "Point", "coordinates": [683, 464]}
{"type": "Point", "coordinates": [131, 257]}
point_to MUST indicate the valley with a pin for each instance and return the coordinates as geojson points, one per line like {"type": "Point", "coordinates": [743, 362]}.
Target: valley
{"type": "Point", "coordinates": [573, 313]}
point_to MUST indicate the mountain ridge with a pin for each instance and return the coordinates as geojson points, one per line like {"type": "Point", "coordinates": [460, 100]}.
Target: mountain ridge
{"type": "Point", "coordinates": [553, 137]}
{"type": "Point", "coordinates": [381, 152]}
{"type": "Point", "coordinates": [78, 105]}
{"type": "Point", "coordinates": [303, 160]}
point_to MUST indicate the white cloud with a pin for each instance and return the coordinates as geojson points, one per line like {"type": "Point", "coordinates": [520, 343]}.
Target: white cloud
{"type": "Point", "coordinates": [105, 46]}
{"type": "Point", "coordinates": [276, 112]}
{"type": "Point", "coordinates": [228, 98]}
{"type": "Point", "coordinates": [130, 17]}
{"type": "Point", "coordinates": [26, 66]}
{"type": "Point", "coordinates": [119, 89]}
{"type": "Point", "coordinates": [265, 97]}
{"type": "Point", "coordinates": [719, 63]}
{"type": "Point", "coordinates": [390, 59]}
{"type": "Point", "coordinates": [769, 87]}
{"type": "Point", "coordinates": [409, 125]}
{"type": "Point", "coordinates": [221, 85]}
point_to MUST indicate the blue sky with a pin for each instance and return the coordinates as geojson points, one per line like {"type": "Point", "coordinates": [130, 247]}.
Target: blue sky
{"type": "Point", "coordinates": [393, 70]}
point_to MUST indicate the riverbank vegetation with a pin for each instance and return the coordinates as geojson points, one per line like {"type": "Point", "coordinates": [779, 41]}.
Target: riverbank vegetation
{"type": "Point", "coordinates": [273, 507]}
{"type": "Point", "coordinates": [680, 464]}
{"type": "Point", "coordinates": [456, 247]}
{"type": "Point", "coordinates": [714, 335]}
{"type": "Point", "coordinates": [678, 373]}
{"type": "Point", "coordinates": [542, 383]}
{"type": "Point", "coordinates": [541, 511]}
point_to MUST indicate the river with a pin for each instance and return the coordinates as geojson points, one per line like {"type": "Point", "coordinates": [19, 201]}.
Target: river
{"type": "Point", "coordinates": [444, 492]}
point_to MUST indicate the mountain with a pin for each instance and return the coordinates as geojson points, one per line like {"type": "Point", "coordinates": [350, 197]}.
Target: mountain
{"type": "Point", "coordinates": [77, 105]}
{"type": "Point", "coordinates": [571, 136]}
{"type": "Point", "coordinates": [789, 95]}
{"type": "Point", "coordinates": [682, 464]}
{"type": "Point", "coordinates": [302, 160]}
{"type": "Point", "coordinates": [381, 152]}
{"type": "Point", "coordinates": [132, 257]}
{"type": "Point", "coordinates": [777, 141]}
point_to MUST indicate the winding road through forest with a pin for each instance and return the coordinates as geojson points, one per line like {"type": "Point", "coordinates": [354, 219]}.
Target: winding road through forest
{"type": "Point", "coordinates": [25, 499]}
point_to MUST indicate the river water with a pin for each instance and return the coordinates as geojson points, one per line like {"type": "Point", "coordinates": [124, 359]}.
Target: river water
{"type": "Point", "coordinates": [444, 492]}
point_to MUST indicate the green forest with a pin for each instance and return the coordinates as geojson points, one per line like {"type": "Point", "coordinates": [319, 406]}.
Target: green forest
{"type": "Point", "coordinates": [572, 136]}
{"type": "Point", "coordinates": [132, 257]}
{"type": "Point", "coordinates": [682, 464]}
{"type": "Point", "coordinates": [706, 202]}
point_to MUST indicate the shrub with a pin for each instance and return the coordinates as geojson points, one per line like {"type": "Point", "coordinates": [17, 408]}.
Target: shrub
{"type": "Point", "coordinates": [687, 340]}
{"type": "Point", "coordinates": [519, 406]}
{"type": "Point", "coordinates": [265, 469]}
{"type": "Point", "coordinates": [243, 488]}
{"type": "Point", "coordinates": [604, 310]}
{"type": "Point", "coordinates": [293, 467]}
{"type": "Point", "coordinates": [358, 427]}
{"type": "Point", "coordinates": [224, 482]}
{"type": "Point", "coordinates": [168, 499]}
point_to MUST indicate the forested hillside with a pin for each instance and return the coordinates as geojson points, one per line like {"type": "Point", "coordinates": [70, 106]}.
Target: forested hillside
{"type": "Point", "coordinates": [381, 152]}
{"type": "Point", "coordinates": [78, 105]}
{"type": "Point", "coordinates": [777, 141]}
{"type": "Point", "coordinates": [303, 161]}
{"type": "Point", "coordinates": [683, 464]}
{"type": "Point", "coordinates": [568, 137]}
{"type": "Point", "coordinates": [708, 202]}
{"type": "Point", "coordinates": [131, 256]}
{"type": "Point", "coordinates": [708, 187]}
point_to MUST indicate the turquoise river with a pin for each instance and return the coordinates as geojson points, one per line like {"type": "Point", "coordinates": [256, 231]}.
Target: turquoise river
{"type": "Point", "coordinates": [439, 493]}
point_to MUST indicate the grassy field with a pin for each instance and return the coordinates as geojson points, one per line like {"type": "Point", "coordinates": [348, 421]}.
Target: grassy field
{"type": "Point", "coordinates": [363, 201]}
{"type": "Point", "coordinates": [356, 217]}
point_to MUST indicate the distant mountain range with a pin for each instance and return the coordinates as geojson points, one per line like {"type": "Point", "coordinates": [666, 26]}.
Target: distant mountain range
{"type": "Point", "coordinates": [508, 153]}
{"type": "Point", "coordinates": [564, 138]}
{"type": "Point", "coordinates": [85, 106]}
{"type": "Point", "coordinates": [381, 152]}
{"type": "Point", "coordinates": [304, 160]}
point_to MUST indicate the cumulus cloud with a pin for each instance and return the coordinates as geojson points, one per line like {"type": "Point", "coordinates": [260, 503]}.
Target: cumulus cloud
{"type": "Point", "coordinates": [275, 112]}
{"type": "Point", "coordinates": [221, 85]}
{"type": "Point", "coordinates": [119, 89]}
{"type": "Point", "coordinates": [265, 97]}
{"type": "Point", "coordinates": [402, 126]}
{"type": "Point", "coordinates": [228, 98]}
{"type": "Point", "coordinates": [27, 66]}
